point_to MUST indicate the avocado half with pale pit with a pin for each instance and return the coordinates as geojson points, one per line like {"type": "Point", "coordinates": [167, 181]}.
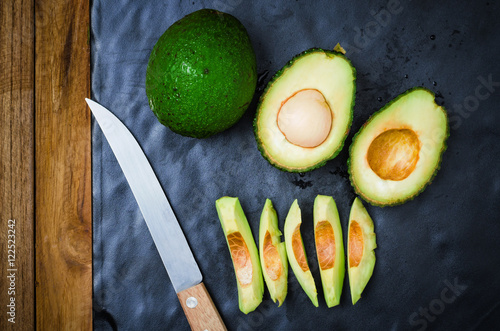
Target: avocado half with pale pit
{"type": "Point", "coordinates": [296, 253]}
{"type": "Point", "coordinates": [273, 254]}
{"type": "Point", "coordinates": [361, 243]}
{"type": "Point", "coordinates": [305, 112]}
{"type": "Point", "coordinates": [243, 251]}
{"type": "Point", "coordinates": [398, 150]}
{"type": "Point", "coordinates": [329, 248]}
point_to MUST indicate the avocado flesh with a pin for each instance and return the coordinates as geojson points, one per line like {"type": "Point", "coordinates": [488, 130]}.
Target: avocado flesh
{"type": "Point", "coordinates": [361, 244]}
{"type": "Point", "coordinates": [414, 129]}
{"type": "Point", "coordinates": [201, 74]}
{"type": "Point", "coordinates": [272, 252]}
{"type": "Point", "coordinates": [330, 74]}
{"type": "Point", "coordinates": [243, 252]}
{"type": "Point", "coordinates": [296, 253]}
{"type": "Point", "coordinates": [329, 248]}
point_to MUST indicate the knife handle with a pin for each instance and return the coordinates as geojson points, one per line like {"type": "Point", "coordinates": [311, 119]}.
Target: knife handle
{"type": "Point", "coordinates": [200, 309]}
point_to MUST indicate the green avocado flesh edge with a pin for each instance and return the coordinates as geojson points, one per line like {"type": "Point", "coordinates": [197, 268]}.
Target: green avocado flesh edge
{"type": "Point", "coordinates": [201, 74]}
{"type": "Point", "coordinates": [360, 226]}
{"type": "Point", "coordinates": [292, 223]}
{"type": "Point", "coordinates": [328, 72]}
{"type": "Point", "coordinates": [330, 251]}
{"type": "Point", "coordinates": [272, 252]}
{"type": "Point", "coordinates": [415, 110]}
{"type": "Point", "coordinates": [243, 251]}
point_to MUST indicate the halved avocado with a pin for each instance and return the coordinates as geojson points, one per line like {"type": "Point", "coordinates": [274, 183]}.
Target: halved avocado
{"type": "Point", "coordinates": [305, 112]}
{"type": "Point", "coordinates": [273, 254]}
{"type": "Point", "coordinates": [329, 248]}
{"type": "Point", "coordinates": [361, 243]}
{"type": "Point", "coordinates": [398, 150]}
{"type": "Point", "coordinates": [297, 254]}
{"type": "Point", "coordinates": [243, 253]}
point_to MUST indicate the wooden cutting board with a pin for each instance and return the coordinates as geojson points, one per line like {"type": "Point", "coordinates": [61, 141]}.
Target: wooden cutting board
{"type": "Point", "coordinates": [46, 165]}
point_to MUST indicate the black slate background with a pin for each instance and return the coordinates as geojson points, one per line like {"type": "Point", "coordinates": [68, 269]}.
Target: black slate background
{"type": "Point", "coordinates": [438, 256]}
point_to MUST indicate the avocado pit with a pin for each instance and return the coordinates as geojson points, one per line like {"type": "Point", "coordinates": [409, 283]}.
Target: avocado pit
{"type": "Point", "coordinates": [272, 260]}
{"type": "Point", "coordinates": [356, 244]}
{"type": "Point", "coordinates": [393, 155]}
{"type": "Point", "coordinates": [241, 258]}
{"type": "Point", "coordinates": [325, 245]}
{"type": "Point", "coordinates": [298, 249]}
{"type": "Point", "coordinates": [305, 118]}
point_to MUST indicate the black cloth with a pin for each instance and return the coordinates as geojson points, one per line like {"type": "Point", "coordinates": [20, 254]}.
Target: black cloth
{"type": "Point", "coordinates": [438, 256]}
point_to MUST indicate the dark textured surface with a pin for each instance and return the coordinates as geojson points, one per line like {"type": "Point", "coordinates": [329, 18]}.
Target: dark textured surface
{"type": "Point", "coordinates": [447, 235]}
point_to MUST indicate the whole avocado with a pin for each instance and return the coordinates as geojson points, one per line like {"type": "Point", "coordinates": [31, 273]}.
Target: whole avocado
{"type": "Point", "coordinates": [201, 74]}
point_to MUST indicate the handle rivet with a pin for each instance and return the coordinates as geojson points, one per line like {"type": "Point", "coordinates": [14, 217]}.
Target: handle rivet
{"type": "Point", "coordinates": [191, 302]}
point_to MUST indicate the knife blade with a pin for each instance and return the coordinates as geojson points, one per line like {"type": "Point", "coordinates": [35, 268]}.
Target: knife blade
{"type": "Point", "coordinates": [161, 221]}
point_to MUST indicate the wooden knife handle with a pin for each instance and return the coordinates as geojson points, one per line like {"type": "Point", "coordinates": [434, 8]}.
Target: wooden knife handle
{"type": "Point", "coordinates": [200, 309]}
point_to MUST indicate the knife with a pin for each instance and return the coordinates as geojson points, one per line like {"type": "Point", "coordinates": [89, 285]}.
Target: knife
{"type": "Point", "coordinates": [170, 242]}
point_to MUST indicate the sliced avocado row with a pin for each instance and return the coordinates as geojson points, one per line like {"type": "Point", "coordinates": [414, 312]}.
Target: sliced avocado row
{"type": "Point", "coordinates": [330, 249]}
{"type": "Point", "coordinates": [272, 263]}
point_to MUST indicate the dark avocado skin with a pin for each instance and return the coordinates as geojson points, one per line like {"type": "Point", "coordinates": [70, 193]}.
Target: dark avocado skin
{"type": "Point", "coordinates": [443, 149]}
{"type": "Point", "coordinates": [201, 74]}
{"type": "Point", "coordinates": [261, 145]}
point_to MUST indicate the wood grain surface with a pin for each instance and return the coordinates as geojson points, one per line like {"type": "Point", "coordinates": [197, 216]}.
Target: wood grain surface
{"type": "Point", "coordinates": [63, 166]}
{"type": "Point", "coordinates": [200, 310]}
{"type": "Point", "coordinates": [17, 165]}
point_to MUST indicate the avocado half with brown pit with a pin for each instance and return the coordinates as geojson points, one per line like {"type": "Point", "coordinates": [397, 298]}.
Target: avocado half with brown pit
{"type": "Point", "coordinates": [397, 152]}
{"type": "Point", "coordinates": [361, 243]}
{"type": "Point", "coordinates": [305, 112]}
{"type": "Point", "coordinates": [243, 251]}
{"type": "Point", "coordinates": [296, 253]}
{"type": "Point", "coordinates": [273, 254]}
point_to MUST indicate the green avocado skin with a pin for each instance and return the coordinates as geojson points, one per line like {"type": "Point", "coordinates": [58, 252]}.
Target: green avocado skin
{"type": "Point", "coordinates": [201, 74]}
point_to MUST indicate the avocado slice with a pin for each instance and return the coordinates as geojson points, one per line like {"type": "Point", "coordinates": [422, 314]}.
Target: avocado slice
{"type": "Point", "coordinates": [361, 243]}
{"type": "Point", "coordinates": [397, 152]}
{"type": "Point", "coordinates": [329, 248]}
{"type": "Point", "coordinates": [273, 254]}
{"type": "Point", "coordinates": [297, 254]}
{"type": "Point", "coordinates": [243, 253]}
{"type": "Point", "coordinates": [201, 74]}
{"type": "Point", "coordinates": [305, 112]}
